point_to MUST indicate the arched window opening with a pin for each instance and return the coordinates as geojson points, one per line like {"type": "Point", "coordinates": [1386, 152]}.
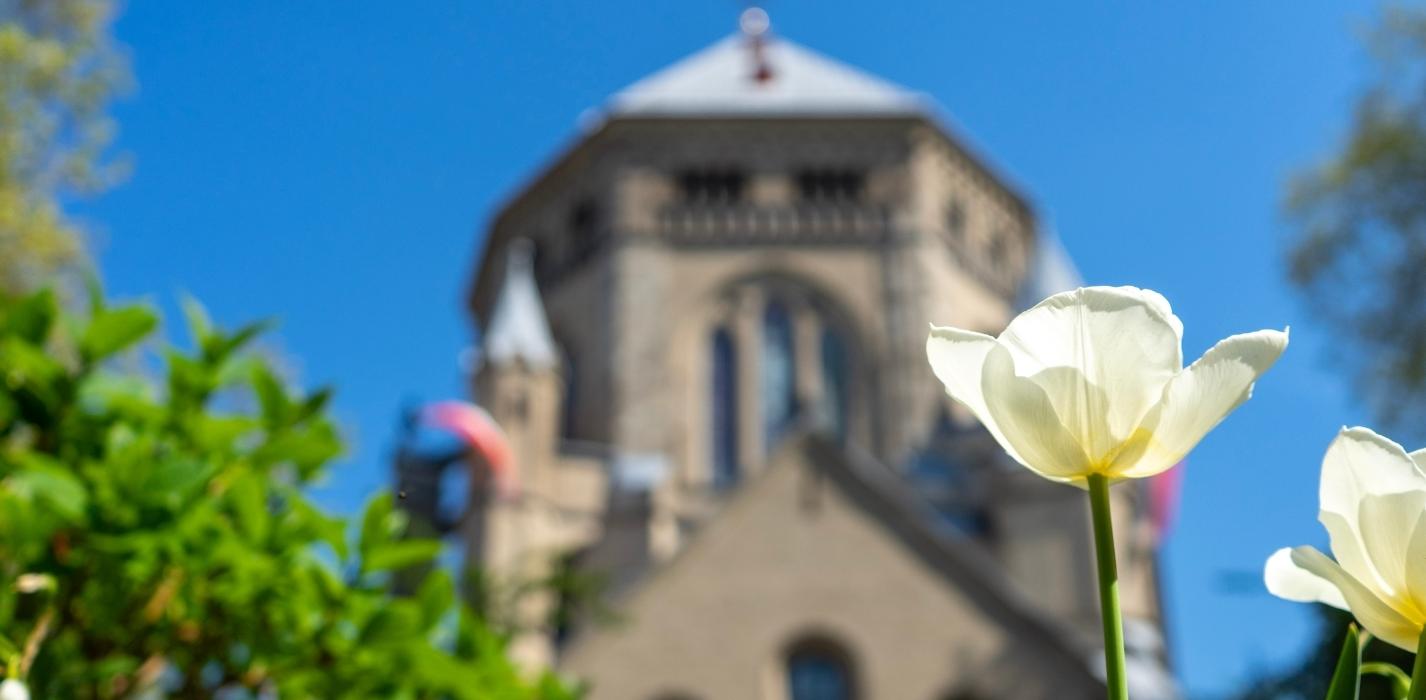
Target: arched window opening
{"type": "Point", "coordinates": [944, 472]}
{"type": "Point", "coordinates": [955, 220]}
{"type": "Point", "coordinates": [835, 365]}
{"type": "Point", "coordinates": [584, 224]}
{"type": "Point", "coordinates": [725, 409]}
{"type": "Point", "coordinates": [779, 376]}
{"type": "Point", "coordinates": [569, 403]}
{"type": "Point", "coordinates": [819, 671]}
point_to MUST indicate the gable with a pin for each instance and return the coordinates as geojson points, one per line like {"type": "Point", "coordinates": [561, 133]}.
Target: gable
{"type": "Point", "coordinates": [719, 81]}
{"type": "Point", "coordinates": [807, 549]}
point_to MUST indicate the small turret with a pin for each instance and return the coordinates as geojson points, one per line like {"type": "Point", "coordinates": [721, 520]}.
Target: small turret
{"type": "Point", "coordinates": [518, 380]}
{"type": "Point", "coordinates": [512, 537]}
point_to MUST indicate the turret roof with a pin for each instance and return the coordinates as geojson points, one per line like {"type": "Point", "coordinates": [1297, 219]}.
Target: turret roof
{"type": "Point", "coordinates": [518, 329]}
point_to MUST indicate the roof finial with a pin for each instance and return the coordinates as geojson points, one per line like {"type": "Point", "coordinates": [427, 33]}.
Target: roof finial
{"type": "Point", "coordinates": [754, 23]}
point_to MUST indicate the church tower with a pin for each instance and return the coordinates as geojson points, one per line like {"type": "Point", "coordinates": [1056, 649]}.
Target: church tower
{"type": "Point", "coordinates": [743, 250]}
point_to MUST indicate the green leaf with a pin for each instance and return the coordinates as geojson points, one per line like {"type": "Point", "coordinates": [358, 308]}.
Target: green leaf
{"type": "Point", "coordinates": [224, 346]}
{"type": "Point", "coordinates": [1346, 679]}
{"type": "Point", "coordinates": [170, 483]}
{"type": "Point", "coordinates": [200, 327]}
{"type": "Point", "coordinates": [249, 506]}
{"type": "Point", "coordinates": [375, 524]}
{"type": "Point", "coordinates": [43, 479]}
{"type": "Point", "coordinates": [314, 403]}
{"type": "Point", "coordinates": [394, 623]}
{"type": "Point", "coordinates": [435, 597]}
{"type": "Point", "coordinates": [1400, 682]}
{"type": "Point", "coordinates": [131, 395]}
{"type": "Point", "coordinates": [271, 395]}
{"type": "Point", "coordinates": [112, 330]}
{"type": "Point", "coordinates": [307, 448]}
{"type": "Point", "coordinates": [31, 317]}
{"type": "Point", "coordinates": [400, 555]}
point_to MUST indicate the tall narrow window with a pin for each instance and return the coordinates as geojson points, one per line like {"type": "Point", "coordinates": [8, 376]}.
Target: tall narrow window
{"type": "Point", "coordinates": [956, 220]}
{"type": "Point", "coordinates": [724, 436]}
{"type": "Point", "coordinates": [815, 673]}
{"type": "Point", "coordinates": [833, 411]}
{"type": "Point", "coordinates": [568, 407]}
{"type": "Point", "coordinates": [779, 390]}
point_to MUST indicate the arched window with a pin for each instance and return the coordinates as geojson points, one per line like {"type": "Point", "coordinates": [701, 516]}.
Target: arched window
{"type": "Point", "coordinates": [724, 434]}
{"type": "Point", "coordinates": [779, 376]}
{"type": "Point", "coordinates": [818, 670]}
{"type": "Point", "coordinates": [835, 366]}
{"type": "Point", "coordinates": [949, 479]}
{"type": "Point", "coordinates": [570, 403]}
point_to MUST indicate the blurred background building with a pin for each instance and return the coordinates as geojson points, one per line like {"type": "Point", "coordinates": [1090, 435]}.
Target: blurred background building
{"type": "Point", "coordinates": [703, 336]}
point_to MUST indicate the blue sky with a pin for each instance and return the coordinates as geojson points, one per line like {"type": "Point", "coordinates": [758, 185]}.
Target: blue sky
{"type": "Point", "coordinates": [333, 164]}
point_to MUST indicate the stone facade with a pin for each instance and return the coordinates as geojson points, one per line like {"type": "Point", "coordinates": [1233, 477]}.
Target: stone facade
{"type": "Point", "coordinates": [656, 234]}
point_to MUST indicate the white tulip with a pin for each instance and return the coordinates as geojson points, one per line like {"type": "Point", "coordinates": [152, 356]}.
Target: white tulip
{"type": "Point", "coordinates": [1373, 504]}
{"type": "Point", "coordinates": [11, 689]}
{"type": "Point", "coordinates": [1092, 382]}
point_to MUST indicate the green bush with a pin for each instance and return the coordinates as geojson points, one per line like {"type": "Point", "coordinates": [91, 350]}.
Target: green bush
{"type": "Point", "coordinates": [156, 539]}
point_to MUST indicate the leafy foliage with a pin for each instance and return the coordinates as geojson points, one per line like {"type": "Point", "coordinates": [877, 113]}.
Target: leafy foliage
{"type": "Point", "coordinates": [59, 70]}
{"type": "Point", "coordinates": [155, 538]}
{"type": "Point", "coordinates": [1311, 677]}
{"type": "Point", "coordinates": [1359, 250]}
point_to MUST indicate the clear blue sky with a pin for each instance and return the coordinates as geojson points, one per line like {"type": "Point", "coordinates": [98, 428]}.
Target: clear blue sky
{"type": "Point", "coordinates": [333, 164]}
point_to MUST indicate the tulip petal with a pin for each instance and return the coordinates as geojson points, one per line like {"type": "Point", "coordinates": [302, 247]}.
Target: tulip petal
{"type": "Point", "coordinates": [1123, 341]}
{"type": "Point", "coordinates": [1419, 457]}
{"type": "Point", "coordinates": [1350, 552]}
{"type": "Point", "coordinates": [1287, 580]}
{"type": "Point", "coordinates": [957, 357]}
{"type": "Point", "coordinates": [1359, 463]}
{"type": "Point", "coordinates": [1416, 564]}
{"type": "Point", "coordinates": [1202, 396]}
{"type": "Point", "coordinates": [1386, 525]}
{"type": "Point", "coordinates": [1376, 615]}
{"type": "Point", "coordinates": [1029, 428]}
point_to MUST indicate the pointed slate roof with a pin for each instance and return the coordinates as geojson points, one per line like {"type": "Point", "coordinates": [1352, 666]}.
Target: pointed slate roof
{"type": "Point", "coordinates": [518, 329]}
{"type": "Point", "coordinates": [722, 80]}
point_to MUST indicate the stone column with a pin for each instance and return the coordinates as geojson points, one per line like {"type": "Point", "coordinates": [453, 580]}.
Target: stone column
{"type": "Point", "coordinates": [747, 337]}
{"type": "Point", "coordinates": [807, 359]}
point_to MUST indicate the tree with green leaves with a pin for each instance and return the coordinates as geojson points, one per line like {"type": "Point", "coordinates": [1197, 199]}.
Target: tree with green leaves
{"type": "Point", "coordinates": [1358, 251]}
{"type": "Point", "coordinates": [156, 539]}
{"type": "Point", "coordinates": [59, 70]}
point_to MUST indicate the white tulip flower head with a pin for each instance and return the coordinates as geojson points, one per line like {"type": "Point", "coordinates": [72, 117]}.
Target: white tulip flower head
{"type": "Point", "coordinates": [1373, 505]}
{"type": "Point", "coordinates": [1092, 382]}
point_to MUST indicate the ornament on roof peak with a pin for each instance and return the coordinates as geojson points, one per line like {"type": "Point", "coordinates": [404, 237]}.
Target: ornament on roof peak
{"type": "Point", "coordinates": [754, 24]}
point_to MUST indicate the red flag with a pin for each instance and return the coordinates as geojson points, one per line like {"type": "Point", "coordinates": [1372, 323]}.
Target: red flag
{"type": "Point", "coordinates": [478, 430]}
{"type": "Point", "coordinates": [1164, 491]}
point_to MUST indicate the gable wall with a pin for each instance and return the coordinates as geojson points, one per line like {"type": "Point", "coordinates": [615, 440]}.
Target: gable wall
{"type": "Point", "coordinates": [795, 554]}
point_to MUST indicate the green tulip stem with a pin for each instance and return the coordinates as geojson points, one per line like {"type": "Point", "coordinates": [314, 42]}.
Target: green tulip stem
{"type": "Point", "coordinates": [1418, 671]}
{"type": "Point", "coordinates": [1109, 589]}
